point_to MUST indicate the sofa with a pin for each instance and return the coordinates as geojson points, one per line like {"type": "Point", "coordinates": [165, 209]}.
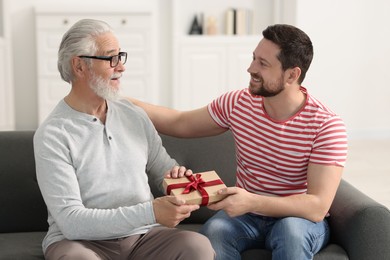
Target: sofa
{"type": "Point", "coordinates": [360, 226]}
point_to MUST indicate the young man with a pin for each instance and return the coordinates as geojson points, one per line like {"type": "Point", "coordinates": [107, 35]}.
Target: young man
{"type": "Point", "coordinates": [291, 150]}
{"type": "Point", "coordinates": [94, 157]}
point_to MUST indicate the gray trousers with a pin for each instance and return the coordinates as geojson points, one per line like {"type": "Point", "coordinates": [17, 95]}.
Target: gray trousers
{"type": "Point", "coordinates": [158, 243]}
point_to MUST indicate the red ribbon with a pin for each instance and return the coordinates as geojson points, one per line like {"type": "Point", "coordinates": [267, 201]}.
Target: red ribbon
{"type": "Point", "coordinates": [196, 183]}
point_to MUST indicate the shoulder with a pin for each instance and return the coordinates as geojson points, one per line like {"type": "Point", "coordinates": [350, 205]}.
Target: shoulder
{"type": "Point", "coordinates": [319, 109]}
{"type": "Point", "coordinates": [228, 100]}
{"type": "Point", "coordinates": [53, 126]}
{"type": "Point", "coordinates": [234, 95]}
{"type": "Point", "coordinates": [328, 122]}
{"type": "Point", "coordinates": [127, 112]}
{"type": "Point", "coordinates": [50, 137]}
{"type": "Point", "coordinates": [128, 106]}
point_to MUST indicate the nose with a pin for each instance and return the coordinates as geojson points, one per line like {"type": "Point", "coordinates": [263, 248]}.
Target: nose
{"type": "Point", "coordinates": [250, 68]}
{"type": "Point", "coordinates": [120, 67]}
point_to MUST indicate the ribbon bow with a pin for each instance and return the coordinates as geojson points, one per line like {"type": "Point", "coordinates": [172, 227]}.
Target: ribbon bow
{"type": "Point", "coordinates": [196, 183]}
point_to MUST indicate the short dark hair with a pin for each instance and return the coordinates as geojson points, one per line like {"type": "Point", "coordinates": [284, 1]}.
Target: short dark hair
{"type": "Point", "coordinates": [296, 48]}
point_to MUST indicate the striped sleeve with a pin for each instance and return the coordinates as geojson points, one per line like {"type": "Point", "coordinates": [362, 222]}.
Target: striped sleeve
{"type": "Point", "coordinates": [330, 145]}
{"type": "Point", "coordinates": [221, 107]}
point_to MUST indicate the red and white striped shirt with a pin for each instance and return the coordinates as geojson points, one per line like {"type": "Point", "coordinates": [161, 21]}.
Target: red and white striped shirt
{"type": "Point", "coordinates": [272, 156]}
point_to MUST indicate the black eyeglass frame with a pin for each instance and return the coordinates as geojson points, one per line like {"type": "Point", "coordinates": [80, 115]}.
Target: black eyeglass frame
{"type": "Point", "coordinates": [110, 58]}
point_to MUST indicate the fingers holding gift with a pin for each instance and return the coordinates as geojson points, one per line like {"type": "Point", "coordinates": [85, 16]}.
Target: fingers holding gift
{"type": "Point", "coordinates": [178, 172]}
{"type": "Point", "coordinates": [170, 211]}
{"type": "Point", "coordinates": [238, 201]}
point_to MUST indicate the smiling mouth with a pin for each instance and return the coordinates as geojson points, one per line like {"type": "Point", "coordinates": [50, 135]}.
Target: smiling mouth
{"type": "Point", "coordinates": [116, 77]}
{"type": "Point", "coordinates": [255, 78]}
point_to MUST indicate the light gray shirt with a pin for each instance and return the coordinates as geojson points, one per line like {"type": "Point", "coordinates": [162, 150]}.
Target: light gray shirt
{"type": "Point", "coordinates": [94, 176]}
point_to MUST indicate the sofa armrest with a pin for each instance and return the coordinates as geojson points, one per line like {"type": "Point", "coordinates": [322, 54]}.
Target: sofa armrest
{"type": "Point", "coordinates": [359, 224]}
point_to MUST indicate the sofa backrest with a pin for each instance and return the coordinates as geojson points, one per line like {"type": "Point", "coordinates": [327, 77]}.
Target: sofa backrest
{"type": "Point", "coordinates": [21, 205]}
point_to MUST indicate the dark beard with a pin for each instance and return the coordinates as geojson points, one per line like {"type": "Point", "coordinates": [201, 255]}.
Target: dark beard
{"type": "Point", "coordinates": [265, 91]}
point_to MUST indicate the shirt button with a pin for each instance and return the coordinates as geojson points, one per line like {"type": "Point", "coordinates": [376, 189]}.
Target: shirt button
{"type": "Point", "coordinates": [95, 119]}
{"type": "Point", "coordinates": [109, 137]}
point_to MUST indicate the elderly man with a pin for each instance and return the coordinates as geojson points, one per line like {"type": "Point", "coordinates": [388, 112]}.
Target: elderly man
{"type": "Point", "coordinates": [95, 154]}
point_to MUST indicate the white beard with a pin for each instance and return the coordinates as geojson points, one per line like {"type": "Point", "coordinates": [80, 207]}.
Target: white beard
{"type": "Point", "coordinates": [102, 88]}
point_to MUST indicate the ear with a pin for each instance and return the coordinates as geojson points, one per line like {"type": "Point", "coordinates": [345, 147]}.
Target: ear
{"type": "Point", "coordinates": [293, 75]}
{"type": "Point", "coordinates": [78, 66]}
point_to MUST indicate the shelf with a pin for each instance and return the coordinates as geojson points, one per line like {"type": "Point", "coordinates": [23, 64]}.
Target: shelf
{"type": "Point", "coordinates": [218, 39]}
{"type": "Point", "coordinates": [184, 11]}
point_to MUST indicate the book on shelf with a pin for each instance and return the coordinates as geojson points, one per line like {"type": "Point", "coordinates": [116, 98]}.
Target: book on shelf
{"type": "Point", "coordinates": [230, 21]}
{"type": "Point", "coordinates": [238, 21]}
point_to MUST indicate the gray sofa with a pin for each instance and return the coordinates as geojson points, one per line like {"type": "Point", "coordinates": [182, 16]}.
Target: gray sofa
{"type": "Point", "coordinates": [360, 226]}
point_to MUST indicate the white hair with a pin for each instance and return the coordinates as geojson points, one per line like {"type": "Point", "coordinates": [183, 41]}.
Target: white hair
{"type": "Point", "coordinates": [80, 39]}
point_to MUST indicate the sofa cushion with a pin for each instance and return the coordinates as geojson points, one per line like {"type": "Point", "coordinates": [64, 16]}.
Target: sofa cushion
{"type": "Point", "coordinates": [331, 251]}
{"type": "Point", "coordinates": [21, 246]}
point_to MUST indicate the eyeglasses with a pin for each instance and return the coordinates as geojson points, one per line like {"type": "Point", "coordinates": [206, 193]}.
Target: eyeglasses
{"type": "Point", "coordinates": [114, 60]}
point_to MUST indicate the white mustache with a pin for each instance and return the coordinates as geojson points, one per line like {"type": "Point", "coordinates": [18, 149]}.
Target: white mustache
{"type": "Point", "coordinates": [116, 76]}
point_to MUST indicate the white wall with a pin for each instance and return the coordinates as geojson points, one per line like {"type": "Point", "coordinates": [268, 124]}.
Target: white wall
{"type": "Point", "coordinates": [1, 19]}
{"type": "Point", "coordinates": [21, 21]}
{"type": "Point", "coordinates": [349, 72]}
{"type": "Point", "coordinates": [351, 67]}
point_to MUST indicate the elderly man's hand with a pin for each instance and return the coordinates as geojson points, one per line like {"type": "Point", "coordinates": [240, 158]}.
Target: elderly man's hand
{"type": "Point", "coordinates": [170, 211]}
{"type": "Point", "coordinates": [178, 172]}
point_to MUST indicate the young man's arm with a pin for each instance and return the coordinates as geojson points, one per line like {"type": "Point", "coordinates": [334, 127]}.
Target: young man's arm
{"type": "Point", "coordinates": [322, 181]}
{"type": "Point", "coordinates": [193, 123]}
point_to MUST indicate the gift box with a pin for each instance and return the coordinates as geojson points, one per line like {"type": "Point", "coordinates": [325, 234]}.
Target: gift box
{"type": "Point", "coordinates": [200, 188]}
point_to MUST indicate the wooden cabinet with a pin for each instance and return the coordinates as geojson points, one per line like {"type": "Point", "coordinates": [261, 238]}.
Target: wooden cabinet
{"type": "Point", "coordinates": [210, 67]}
{"type": "Point", "coordinates": [134, 25]}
